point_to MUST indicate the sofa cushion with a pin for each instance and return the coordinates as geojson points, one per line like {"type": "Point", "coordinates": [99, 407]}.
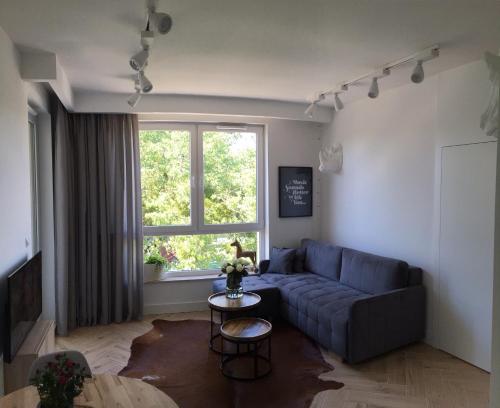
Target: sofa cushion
{"type": "Point", "coordinates": [282, 260]}
{"type": "Point", "coordinates": [300, 257]}
{"type": "Point", "coordinates": [322, 258]}
{"type": "Point", "coordinates": [372, 273]}
{"type": "Point", "coordinates": [318, 306]}
{"type": "Point", "coordinates": [414, 276]}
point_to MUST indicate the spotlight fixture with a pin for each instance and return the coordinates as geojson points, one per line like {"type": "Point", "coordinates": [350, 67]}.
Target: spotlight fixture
{"type": "Point", "coordinates": [145, 84]}
{"type": "Point", "coordinates": [139, 61]}
{"type": "Point", "coordinates": [338, 103]}
{"type": "Point", "coordinates": [417, 75]}
{"type": "Point", "coordinates": [162, 21]}
{"type": "Point", "coordinates": [134, 98]}
{"type": "Point", "coordinates": [310, 110]}
{"type": "Point", "coordinates": [374, 91]}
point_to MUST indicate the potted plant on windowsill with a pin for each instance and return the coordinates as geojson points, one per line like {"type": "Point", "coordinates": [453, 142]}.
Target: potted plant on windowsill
{"type": "Point", "coordinates": [156, 259]}
{"type": "Point", "coordinates": [153, 267]}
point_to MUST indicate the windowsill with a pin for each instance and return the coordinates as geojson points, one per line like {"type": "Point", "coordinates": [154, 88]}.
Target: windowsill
{"type": "Point", "coordinates": [165, 278]}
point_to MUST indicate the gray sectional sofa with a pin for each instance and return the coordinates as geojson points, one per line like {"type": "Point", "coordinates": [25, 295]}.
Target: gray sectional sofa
{"type": "Point", "coordinates": [356, 304]}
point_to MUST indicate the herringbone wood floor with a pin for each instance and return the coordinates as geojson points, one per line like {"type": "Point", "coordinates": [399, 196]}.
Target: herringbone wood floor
{"type": "Point", "coordinates": [417, 376]}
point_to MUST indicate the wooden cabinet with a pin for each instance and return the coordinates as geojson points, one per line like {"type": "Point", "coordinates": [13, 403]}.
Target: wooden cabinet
{"type": "Point", "coordinates": [40, 341]}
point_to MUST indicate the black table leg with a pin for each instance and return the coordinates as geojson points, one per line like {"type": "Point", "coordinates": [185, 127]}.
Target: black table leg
{"type": "Point", "coordinates": [269, 349]}
{"type": "Point", "coordinates": [214, 336]}
{"type": "Point", "coordinates": [255, 361]}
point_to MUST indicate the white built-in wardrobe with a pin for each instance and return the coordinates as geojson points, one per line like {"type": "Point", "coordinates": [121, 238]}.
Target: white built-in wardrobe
{"type": "Point", "coordinates": [466, 230]}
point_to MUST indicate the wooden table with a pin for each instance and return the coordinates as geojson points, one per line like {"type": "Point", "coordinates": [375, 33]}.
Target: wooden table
{"type": "Point", "coordinates": [222, 304]}
{"type": "Point", "coordinates": [101, 391]}
{"type": "Point", "coordinates": [251, 332]}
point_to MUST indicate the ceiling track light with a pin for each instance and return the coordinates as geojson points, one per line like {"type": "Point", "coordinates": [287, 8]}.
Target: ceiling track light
{"type": "Point", "coordinates": [416, 77]}
{"type": "Point", "coordinates": [373, 91]}
{"type": "Point", "coordinates": [139, 61]}
{"type": "Point", "coordinates": [309, 112]}
{"type": "Point", "coordinates": [161, 21]}
{"type": "Point", "coordinates": [338, 103]}
{"type": "Point", "coordinates": [145, 84]}
{"type": "Point", "coordinates": [134, 99]}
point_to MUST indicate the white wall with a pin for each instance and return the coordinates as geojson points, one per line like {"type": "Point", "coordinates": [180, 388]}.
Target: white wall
{"type": "Point", "coordinates": [177, 296]}
{"type": "Point", "coordinates": [495, 352]}
{"type": "Point", "coordinates": [291, 143]}
{"type": "Point", "coordinates": [288, 143]}
{"type": "Point", "coordinates": [386, 199]}
{"type": "Point", "coordinates": [15, 198]}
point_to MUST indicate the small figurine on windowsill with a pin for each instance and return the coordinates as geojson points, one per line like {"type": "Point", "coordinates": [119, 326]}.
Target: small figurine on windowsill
{"type": "Point", "coordinates": [252, 255]}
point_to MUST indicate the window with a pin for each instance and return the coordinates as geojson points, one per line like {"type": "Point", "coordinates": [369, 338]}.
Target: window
{"type": "Point", "coordinates": [202, 188]}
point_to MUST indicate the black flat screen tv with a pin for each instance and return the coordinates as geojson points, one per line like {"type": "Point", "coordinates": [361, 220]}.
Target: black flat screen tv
{"type": "Point", "coordinates": [24, 304]}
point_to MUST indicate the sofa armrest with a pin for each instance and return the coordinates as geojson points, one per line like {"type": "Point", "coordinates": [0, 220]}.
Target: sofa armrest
{"type": "Point", "coordinates": [263, 266]}
{"type": "Point", "coordinates": [383, 322]}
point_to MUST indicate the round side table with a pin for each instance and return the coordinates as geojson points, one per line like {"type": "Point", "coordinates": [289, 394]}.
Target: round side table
{"type": "Point", "coordinates": [218, 302]}
{"type": "Point", "coordinates": [100, 391]}
{"type": "Point", "coordinates": [255, 362]}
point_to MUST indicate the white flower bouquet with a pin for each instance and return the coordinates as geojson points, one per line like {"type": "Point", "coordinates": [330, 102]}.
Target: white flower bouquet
{"type": "Point", "coordinates": [235, 271]}
{"type": "Point", "coordinates": [238, 266]}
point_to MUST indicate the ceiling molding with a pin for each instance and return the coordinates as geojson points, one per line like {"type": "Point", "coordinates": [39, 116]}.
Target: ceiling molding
{"type": "Point", "coordinates": [199, 105]}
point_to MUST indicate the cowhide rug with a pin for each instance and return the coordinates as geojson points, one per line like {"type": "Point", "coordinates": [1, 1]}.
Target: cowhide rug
{"type": "Point", "coordinates": [174, 356]}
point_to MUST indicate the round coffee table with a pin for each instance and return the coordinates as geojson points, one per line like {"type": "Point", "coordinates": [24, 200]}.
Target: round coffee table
{"type": "Point", "coordinates": [255, 334]}
{"type": "Point", "coordinates": [102, 390]}
{"type": "Point", "coordinates": [220, 303]}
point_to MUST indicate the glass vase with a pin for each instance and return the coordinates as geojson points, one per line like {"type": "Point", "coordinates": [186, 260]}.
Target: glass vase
{"type": "Point", "coordinates": [234, 290]}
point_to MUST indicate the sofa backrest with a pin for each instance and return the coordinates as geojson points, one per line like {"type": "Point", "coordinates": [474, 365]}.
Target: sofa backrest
{"type": "Point", "coordinates": [414, 276]}
{"type": "Point", "coordinates": [322, 258]}
{"type": "Point", "coordinates": [372, 273]}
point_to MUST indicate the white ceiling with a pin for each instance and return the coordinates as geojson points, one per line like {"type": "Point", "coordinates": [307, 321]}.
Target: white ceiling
{"type": "Point", "coordinates": [272, 49]}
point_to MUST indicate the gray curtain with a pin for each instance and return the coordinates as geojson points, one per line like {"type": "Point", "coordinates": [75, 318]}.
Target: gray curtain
{"type": "Point", "coordinates": [98, 218]}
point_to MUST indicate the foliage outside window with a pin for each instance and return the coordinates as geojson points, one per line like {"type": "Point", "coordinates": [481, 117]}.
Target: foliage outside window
{"type": "Point", "coordinates": [200, 192]}
{"type": "Point", "coordinates": [165, 177]}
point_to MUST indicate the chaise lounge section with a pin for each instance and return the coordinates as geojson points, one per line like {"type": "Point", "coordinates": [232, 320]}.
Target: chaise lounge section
{"type": "Point", "coordinates": [356, 304]}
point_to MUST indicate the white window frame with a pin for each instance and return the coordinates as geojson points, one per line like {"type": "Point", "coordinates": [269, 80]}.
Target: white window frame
{"type": "Point", "coordinates": [198, 226]}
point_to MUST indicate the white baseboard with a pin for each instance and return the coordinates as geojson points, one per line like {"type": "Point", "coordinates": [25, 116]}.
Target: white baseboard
{"type": "Point", "coordinates": [176, 307]}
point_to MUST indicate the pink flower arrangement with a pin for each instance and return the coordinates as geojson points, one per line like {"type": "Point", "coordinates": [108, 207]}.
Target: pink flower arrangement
{"type": "Point", "coordinates": [59, 382]}
{"type": "Point", "coordinates": [168, 254]}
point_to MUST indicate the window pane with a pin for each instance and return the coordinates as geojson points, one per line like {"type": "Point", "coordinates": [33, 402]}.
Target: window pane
{"type": "Point", "coordinates": [165, 177]}
{"type": "Point", "coordinates": [192, 252]}
{"type": "Point", "coordinates": [230, 177]}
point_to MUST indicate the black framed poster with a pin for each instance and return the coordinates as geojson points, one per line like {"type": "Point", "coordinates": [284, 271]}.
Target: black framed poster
{"type": "Point", "coordinates": [295, 191]}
